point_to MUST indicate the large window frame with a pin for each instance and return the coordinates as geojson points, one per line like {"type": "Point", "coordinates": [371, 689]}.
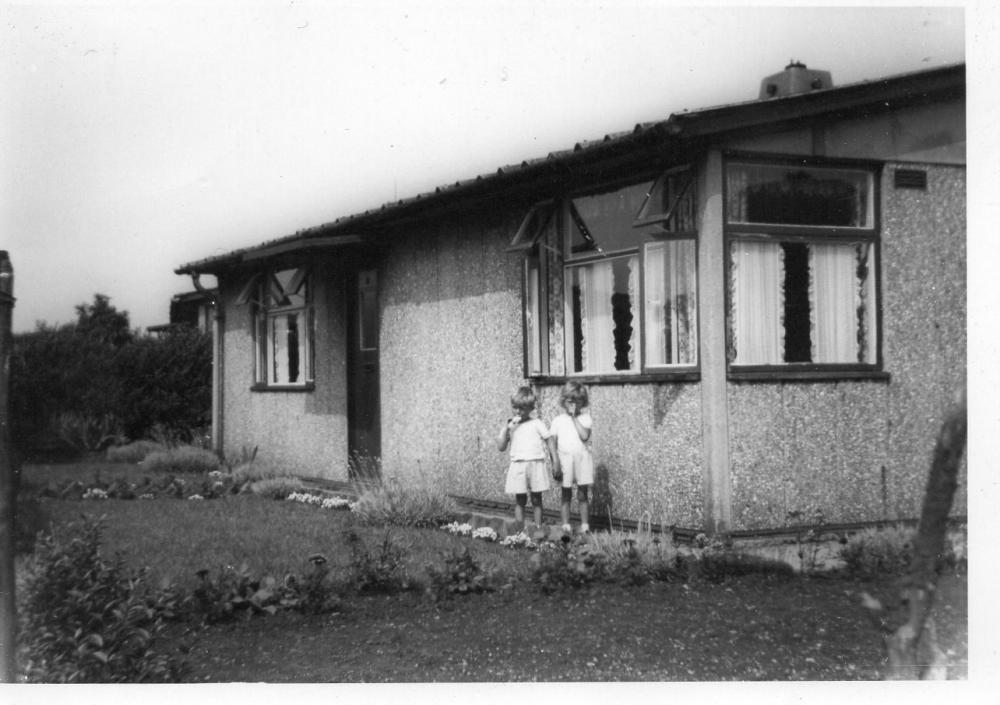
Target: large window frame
{"type": "Point", "coordinates": [833, 258]}
{"type": "Point", "coordinates": [655, 227]}
{"type": "Point", "coordinates": [283, 329]}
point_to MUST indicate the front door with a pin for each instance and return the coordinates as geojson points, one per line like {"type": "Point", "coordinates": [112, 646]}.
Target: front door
{"type": "Point", "coordinates": [363, 423]}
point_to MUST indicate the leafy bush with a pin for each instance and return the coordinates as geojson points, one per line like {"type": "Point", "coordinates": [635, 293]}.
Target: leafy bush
{"type": "Point", "coordinates": [874, 552]}
{"type": "Point", "coordinates": [30, 520]}
{"type": "Point", "coordinates": [134, 452]}
{"type": "Point", "coordinates": [276, 487]}
{"type": "Point", "coordinates": [382, 572]}
{"type": "Point", "coordinates": [461, 575]}
{"type": "Point", "coordinates": [85, 620]}
{"type": "Point", "coordinates": [413, 503]}
{"type": "Point", "coordinates": [187, 460]}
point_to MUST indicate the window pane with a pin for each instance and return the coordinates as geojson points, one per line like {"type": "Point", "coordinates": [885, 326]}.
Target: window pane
{"type": "Point", "coordinates": [287, 288]}
{"type": "Point", "coordinates": [600, 300]}
{"type": "Point", "coordinates": [604, 222]}
{"type": "Point", "coordinates": [672, 194]}
{"type": "Point", "coordinates": [803, 302]}
{"type": "Point", "coordinates": [532, 315]}
{"type": "Point", "coordinates": [287, 348]}
{"type": "Point", "coordinates": [791, 195]}
{"type": "Point", "coordinates": [671, 304]}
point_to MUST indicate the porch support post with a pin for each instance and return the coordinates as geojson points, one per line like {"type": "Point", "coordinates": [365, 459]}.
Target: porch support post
{"type": "Point", "coordinates": [712, 321]}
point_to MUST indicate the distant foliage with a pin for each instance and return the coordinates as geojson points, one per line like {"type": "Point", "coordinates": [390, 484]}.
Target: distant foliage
{"type": "Point", "coordinates": [86, 384]}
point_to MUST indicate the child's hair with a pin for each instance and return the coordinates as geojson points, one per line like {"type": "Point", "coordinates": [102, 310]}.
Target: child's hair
{"type": "Point", "coordinates": [523, 399]}
{"type": "Point", "coordinates": [574, 391]}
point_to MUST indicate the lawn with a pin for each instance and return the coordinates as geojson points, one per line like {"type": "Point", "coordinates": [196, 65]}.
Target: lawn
{"type": "Point", "coordinates": [757, 627]}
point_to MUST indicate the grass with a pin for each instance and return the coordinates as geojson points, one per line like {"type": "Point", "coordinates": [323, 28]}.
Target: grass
{"type": "Point", "coordinates": [271, 537]}
{"type": "Point", "coordinates": [752, 628]}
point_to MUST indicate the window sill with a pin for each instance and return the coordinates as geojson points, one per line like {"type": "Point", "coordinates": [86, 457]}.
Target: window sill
{"type": "Point", "coordinates": [813, 374]}
{"type": "Point", "coordinates": [644, 378]}
{"type": "Point", "coordinates": [261, 387]}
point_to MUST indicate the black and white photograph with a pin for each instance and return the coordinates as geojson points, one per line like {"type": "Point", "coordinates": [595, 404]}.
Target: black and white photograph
{"type": "Point", "coordinates": [435, 349]}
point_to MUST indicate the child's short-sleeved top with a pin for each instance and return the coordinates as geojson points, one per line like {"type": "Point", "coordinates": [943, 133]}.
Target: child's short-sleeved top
{"type": "Point", "coordinates": [527, 440]}
{"type": "Point", "coordinates": [567, 438]}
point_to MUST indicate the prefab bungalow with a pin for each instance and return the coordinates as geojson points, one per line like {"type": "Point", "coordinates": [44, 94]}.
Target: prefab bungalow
{"type": "Point", "coordinates": [766, 299]}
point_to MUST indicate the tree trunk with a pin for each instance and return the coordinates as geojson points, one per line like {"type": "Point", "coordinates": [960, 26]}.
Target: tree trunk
{"type": "Point", "coordinates": [912, 647]}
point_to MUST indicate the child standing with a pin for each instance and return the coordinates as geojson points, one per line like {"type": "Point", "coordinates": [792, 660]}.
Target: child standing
{"type": "Point", "coordinates": [530, 445]}
{"type": "Point", "coordinates": [571, 431]}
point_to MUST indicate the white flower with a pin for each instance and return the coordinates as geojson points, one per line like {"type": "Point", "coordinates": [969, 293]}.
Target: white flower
{"type": "Point", "coordinates": [196, 497]}
{"type": "Point", "coordinates": [486, 533]}
{"type": "Point", "coordinates": [146, 496]}
{"type": "Point", "coordinates": [458, 529]}
{"type": "Point", "coordinates": [95, 493]}
{"type": "Point", "coordinates": [216, 473]}
{"type": "Point", "coordinates": [336, 503]}
{"type": "Point", "coordinates": [516, 540]}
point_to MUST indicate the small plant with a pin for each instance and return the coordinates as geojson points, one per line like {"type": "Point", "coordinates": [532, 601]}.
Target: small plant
{"type": "Point", "coordinates": [636, 557]}
{"type": "Point", "coordinates": [414, 503]}
{"type": "Point", "coordinates": [134, 452]}
{"type": "Point", "coordinates": [807, 539]}
{"type": "Point", "coordinates": [518, 540]}
{"type": "Point", "coordinates": [186, 460]}
{"type": "Point", "coordinates": [276, 487]}
{"type": "Point", "coordinates": [313, 594]}
{"type": "Point", "coordinates": [461, 575]}
{"type": "Point", "coordinates": [383, 572]}
{"type": "Point", "coordinates": [364, 469]}
{"type": "Point", "coordinates": [84, 619]}
{"type": "Point", "coordinates": [555, 567]}
{"type": "Point", "coordinates": [235, 592]}
{"type": "Point", "coordinates": [873, 552]}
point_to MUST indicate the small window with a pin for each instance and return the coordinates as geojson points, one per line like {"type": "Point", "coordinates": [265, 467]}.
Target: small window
{"type": "Point", "coordinates": [780, 194]}
{"type": "Point", "coordinates": [283, 333]}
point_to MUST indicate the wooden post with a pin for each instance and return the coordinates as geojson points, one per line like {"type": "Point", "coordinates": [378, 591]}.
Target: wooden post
{"type": "Point", "coordinates": [8, 486]}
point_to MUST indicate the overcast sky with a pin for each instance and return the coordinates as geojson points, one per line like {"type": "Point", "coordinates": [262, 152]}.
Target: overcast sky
{"type": "Point", "coordinates": [137, 137]}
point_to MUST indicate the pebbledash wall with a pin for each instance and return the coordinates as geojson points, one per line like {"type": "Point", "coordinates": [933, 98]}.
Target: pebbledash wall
{"type": "Point", "coordinates": [451, 353]}
{"type": "Point", "coordinates": [304, 432]}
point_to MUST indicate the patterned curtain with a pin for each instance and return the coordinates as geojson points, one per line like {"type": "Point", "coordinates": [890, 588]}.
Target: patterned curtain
{"type": "Point", "coordinates": [596, 320]}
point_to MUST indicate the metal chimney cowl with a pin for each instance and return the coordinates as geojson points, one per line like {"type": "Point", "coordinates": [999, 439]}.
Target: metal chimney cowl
{"type": "Point", "coordinates": [796, 78]}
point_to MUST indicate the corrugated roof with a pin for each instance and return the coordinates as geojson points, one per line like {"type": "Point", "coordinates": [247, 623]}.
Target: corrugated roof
{"type": "Point", "coordinates": [886, 93]}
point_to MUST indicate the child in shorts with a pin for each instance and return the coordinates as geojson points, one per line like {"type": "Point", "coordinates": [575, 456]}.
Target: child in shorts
{"type": "Point", "coordinates": [530, 446]}
{"type": "Point", "coordinates": [571, 431]}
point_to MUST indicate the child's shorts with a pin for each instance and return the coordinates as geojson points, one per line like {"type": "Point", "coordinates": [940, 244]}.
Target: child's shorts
{"type": "Point", "coordinates": [525, 476]}
{"type": "Point", "coordinates": [577, 468]}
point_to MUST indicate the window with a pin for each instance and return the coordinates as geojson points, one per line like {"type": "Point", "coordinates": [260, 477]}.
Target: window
{"type": "Point", "coordinates": [610, 280]}
{"type": "Point", "coordinates": [802, 264]}
{"type": "Point", "coordinates": [283, 331]}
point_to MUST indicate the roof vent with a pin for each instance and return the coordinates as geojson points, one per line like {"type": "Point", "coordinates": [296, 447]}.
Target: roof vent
{"type": "Point", "coordinates": [796, 78]}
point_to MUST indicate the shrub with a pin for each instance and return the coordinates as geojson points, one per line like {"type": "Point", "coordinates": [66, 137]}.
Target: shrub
{"type": "Point", "coordinates": [30, 520]}
{"type": "Point", "coordinates": [874, 552]}
{"type": "Point", "coordinates": [461, 575]}
{"type": "Point", "coordinates": [276, 487]}
{"type": "Point", "coordinates": [133, 452]}
{"type": "Point", "coordinates": [635, 557]}
{"type": "Point", "coordinates": [555, 567]}
{"type": "Point", "coordinates": [85, 620]}
{"type": "Point", "coordinates": [183, 459]}
{"type": "Point", "coordinates": [415, 503]}
{"type": "Point", "coordinates": [313, 594]}
{"type": "Point", "coordinates": [382, 572]}
{"type": "Point", "coordinates": [254, 471]}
